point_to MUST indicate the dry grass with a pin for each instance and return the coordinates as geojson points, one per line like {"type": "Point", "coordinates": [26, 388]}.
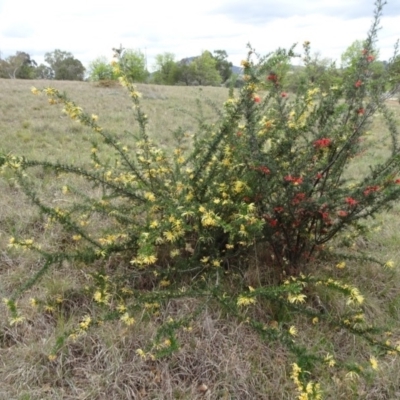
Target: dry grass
{"type": "Point", "coordinates": [227, 359]}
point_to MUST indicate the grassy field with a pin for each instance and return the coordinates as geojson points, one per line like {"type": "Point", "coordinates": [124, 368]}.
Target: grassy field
{"type": "Point", "coordinates": [218, 358]}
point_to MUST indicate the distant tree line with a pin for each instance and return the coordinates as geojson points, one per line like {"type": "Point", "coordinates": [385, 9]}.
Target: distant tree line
{"type": "Point", "coordinates": [207, 69]}
{"type": "Point", "coordinates": [61, 65]}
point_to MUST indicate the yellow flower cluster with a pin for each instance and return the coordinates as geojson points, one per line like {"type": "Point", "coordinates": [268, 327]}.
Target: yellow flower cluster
{"type": "Point", "coordinates": [143, 260]}
{"type": "Point", "coordinates": [127, 319]}
{"type": "Point", "coordinates": [73, 111]}
{"type": "Point", "coordinates": [245, 301]}
{"type": "Point", "coordinates": [311, 391]}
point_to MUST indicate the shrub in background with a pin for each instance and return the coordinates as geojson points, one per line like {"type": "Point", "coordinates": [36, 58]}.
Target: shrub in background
{"type": "Point", "coordinates": [265, 187]}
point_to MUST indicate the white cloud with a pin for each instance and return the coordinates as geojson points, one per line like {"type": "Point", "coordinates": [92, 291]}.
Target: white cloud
{"type": "Point", "coordinates": [89, 28]}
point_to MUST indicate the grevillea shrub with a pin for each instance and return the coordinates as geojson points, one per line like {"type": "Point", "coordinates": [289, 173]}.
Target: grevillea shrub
{"type": "Point", "coordinates": [269, 178]}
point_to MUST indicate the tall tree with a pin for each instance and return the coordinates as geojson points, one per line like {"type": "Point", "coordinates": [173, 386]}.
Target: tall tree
{"type": "Point", "coordinates": [100, 70]}
{"type": "Point", "coordinates": [204, 69]}
{"type": "Point", "coordinates": [223, 66]}
{"type": "Point", "coordinates": [166, 69]}
{"type": "Point", "coordinates": [133, 63]}
{"type": "Point", "coordinates": [18, 66]}
{"type": "Point", "coordinates": [65, 66]}
{"type": "Point", "coordinates": [44, 72]}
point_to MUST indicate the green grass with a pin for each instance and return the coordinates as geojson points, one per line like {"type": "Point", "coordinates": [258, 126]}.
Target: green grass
{"type": "Point", "coordinates": [229, 359]}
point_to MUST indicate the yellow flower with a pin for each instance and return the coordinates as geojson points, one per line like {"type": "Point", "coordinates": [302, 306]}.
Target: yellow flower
{"type": "Point", "coordinates": [355, 297]}
{"type": "Point", "coordinates": [341, 265]}
{"type": "Point", "coordinates": [164, 283]}
{"type": "Point", "coordinates": [16, 320]}
{"type": "Point", "coordinates": [141, 353]}
{"type": "Point", "coordinates": [94, 117]}
{"type": "Point", "coordinates": [293, 330]}
{"type": "Point", "coordinates": [245, 301]}
{"type": "Point", "coordinates": [127, 319]}
{"type": "Point", "coordinates": [329, 360]}
{"type": "Point", "coordinates": [52, 357]}
{"type": "Point", "coordinates": [238, 186]}
{"type": "Point", "coordinates": [315, 320]}
{"type": "Point", "coordinates": [48, 308]}
{"type": "Point", "coordinates": [174, 253]}
{"type": "Point", "coordinates": [85, 323]}
{"type": "Point", "coordinates": [150, 196]}
{"type": "Point", "coordinates": [154, 224]}
{"type": "Point", "coordinates": [374, 363]}
{"type": "Point", "coordinates": [297, 298]}
{"type": "Point", "coordinates": [33, 302]}
{"type": "Point", "coordinates": [121, 308]}
{"type": "Point", "coordinates": [389, 264]}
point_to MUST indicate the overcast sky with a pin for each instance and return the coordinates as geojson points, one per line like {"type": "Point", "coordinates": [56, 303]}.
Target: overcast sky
{"type": "Point", "coordinates": [91, 28]}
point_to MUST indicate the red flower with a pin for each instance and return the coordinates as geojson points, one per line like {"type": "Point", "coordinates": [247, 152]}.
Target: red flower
{"type": "Point", "coordinates": [263, 169]}
{"type": "Point", "coordinates": [397, 181]}
{"type": "Point", "coordinates": [298, 198]}
{"type": "Point", "coordinates": [342, 213]}
{"type": "Point", "coordinates": [361, 111]}
{"type": "Point", "coordinates": [272, 77]}
{"type": "Point", "coordinates": [284, 94]}
{"type": "Point", "coordinates": [358, 84]}
{"type": "Point", "coordinates": [370, 58]}
{"type": "Point", "coordinates": [278, 209]}
{"type": "Point", "coordinates": [273, 222]}
{"type": "Point", "coordinates": [295, 180]}
{"type": "Point", "coordinates": [351, 202]}
{"type": "Point", "coordinates": [322, 143]}
{"type": "Point", "coordinates": [370, 189]}
{"type": "Point", "coordinates": [319, 175]}
{"type": "Point", "coordinates": [324, 215]}
{"type": "Point", "coordinates": [256, 98]}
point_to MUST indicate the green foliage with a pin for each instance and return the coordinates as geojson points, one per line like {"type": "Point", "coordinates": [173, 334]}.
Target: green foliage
{"type": "Point", "coordinates": [266, 187]}
{"type": "Point", "coordinates": [65, 66]}
{"type": "Point", "coordinates": [101, 70]}
{"type": "Point", "coordinates": [166, 69]}
{"type": "Point", "coordinates": [204, 69]}
{"type": "Point", "coordinates": [44, 72]}
{"type": "Point", "coordinates": [18, 66]}
{"type": "Point", "coordinates": [223, 66]}
{"type": "Point", "coordinates": [133, 62]}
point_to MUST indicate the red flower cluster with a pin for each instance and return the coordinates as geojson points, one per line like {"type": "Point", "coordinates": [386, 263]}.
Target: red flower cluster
{"type": "Point", "coordinates": [322, 143]}
{"type": "Point", "coordinates": [351, 202]}
{"type": "Point", "coordinates": [298, 198]}
{"type": "Point", "coordinates": [263, 169]}
{"type": "Point", "coordinates": [358, 84]}
{"type": "Point", "coordinates": [272, 77]}
{"type": "Point", "coordinates": [256, 98]}
{"type": "Point", "coordinates": [370, 189]}
{"type": "Point", "coordinates": [361, 111]}
{"type": "Point", "coordinates": [295, 180]}
{"type": "Point", "coordinates": [273, 222]}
